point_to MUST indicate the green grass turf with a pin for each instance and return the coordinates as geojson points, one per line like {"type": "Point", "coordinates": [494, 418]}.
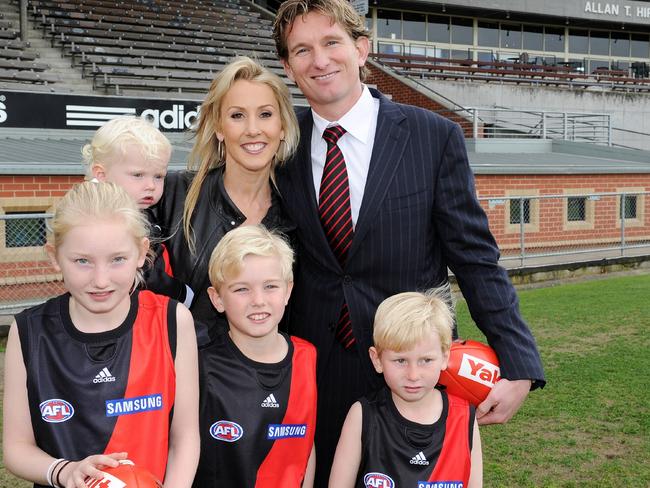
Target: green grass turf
{"type": "Point", "coordinates": [589, 427]}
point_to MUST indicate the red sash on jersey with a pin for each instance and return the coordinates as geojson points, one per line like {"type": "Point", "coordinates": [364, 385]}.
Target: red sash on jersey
{"type": "Point", "coordinates": [454, 462]}
{"type": "Point", "coordinates": [286, 462]}
{"type": "Point", "coordinates": [145, 435]}
{"type": "Point", "coordinates": [166, 260]}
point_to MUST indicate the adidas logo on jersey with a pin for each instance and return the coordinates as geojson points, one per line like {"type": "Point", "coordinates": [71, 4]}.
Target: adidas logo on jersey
{"type": "Point", "coordinates": [270, 402]}
{"type": "Point", "coordinates": [104, 376]}
{"type": "Point", "coordinates": [419, 458]}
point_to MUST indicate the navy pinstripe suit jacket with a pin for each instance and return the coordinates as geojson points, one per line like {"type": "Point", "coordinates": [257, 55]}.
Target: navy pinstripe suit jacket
{"type": "Point", "coordinates": [419, 215]}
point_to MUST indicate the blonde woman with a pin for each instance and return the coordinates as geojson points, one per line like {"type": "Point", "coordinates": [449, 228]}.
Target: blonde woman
{"type": "Point", "coordinates": [246, 128]}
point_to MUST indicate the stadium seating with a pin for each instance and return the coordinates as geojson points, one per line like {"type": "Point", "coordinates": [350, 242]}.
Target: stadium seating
{"type": "Point", "coordinates": [153, 47]}
{"type": "Point", "coordinates": [18, 62]}
{"type": "Point", "coordinates": [147, 46]}
{"type": "Point", "coordinates": [509, 72]}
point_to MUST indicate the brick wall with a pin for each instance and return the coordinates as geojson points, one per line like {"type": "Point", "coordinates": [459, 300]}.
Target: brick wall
{"type": "Point", "coordinates": [25, 272]}
{"type": "Point", "coordinates": [27, 281]}
{"type": "Point", "coordinates": [36, 186]}
{"type": "Point", "coordinates": [19, 274]}
{"type": "Point", "coordinates": [552, 230]}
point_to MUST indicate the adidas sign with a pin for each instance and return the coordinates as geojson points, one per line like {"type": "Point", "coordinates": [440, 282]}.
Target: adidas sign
{"type": "Point", "coordinates": [104, 376]}
{"type": "Point", "coordinates": [270, 402]}
{"type": "Point", "coordinates": [3, 110]}
{"type": "Point", "coordinates": [419, 458]}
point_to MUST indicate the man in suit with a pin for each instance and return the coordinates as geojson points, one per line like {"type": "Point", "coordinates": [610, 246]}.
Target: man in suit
{"type": "Point", "coordinates": [407, 193]}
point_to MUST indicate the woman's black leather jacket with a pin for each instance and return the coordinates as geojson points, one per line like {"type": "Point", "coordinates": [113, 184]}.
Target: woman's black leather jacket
{"type": "Point", "coordinates": [214, 215]}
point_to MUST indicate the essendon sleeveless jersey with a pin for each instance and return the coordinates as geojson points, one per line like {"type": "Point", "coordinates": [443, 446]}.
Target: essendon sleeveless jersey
{"type": "Point", "coordinates": [164, 255]}
{"type": "Point", "coordinates": [157, 245]}
{"type": "Point", "coordinates": [257, 420]}
{"type": "Point", "coordinates": [399, 453]}
{"type": "Point", "coordinates": [102, 392]}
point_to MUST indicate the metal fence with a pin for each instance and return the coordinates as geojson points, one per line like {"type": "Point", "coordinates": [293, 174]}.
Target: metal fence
{"type": "Point", "coordinates": [537, 230]}
{"type": "Point", "coordinates": [535, 124]}
{"type": "Point", "coordinates": [531, 230]}
{"type": "Point", "coordinates": [504, 122]}
{"type": "Point", "coordinates": [26, 276]}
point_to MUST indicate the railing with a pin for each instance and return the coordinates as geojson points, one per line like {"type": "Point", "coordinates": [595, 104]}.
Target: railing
{"type": "Point", "coordinates": [531, 230]}
{"type": "Point", "coordinates": [594, 68]}
{"type": "Point", "coordinates": [636, 135]}
{"type": "Point", "coordinates": [530, 124]}
{"type": "Point", "coordinates": [537, 230]}
{"type": "Point", "coordinates": [505, 122]}
{"type": "Point", "coordinates": [501, 122]}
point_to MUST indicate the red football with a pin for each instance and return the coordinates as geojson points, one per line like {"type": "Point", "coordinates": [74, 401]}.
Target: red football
{"type": "Point", "coordinates": [472, 371]}
{"type": "Point", "coordinates": [126, 475]}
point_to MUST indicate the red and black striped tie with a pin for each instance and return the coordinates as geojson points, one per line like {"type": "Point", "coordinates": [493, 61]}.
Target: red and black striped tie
{"type": "Point", "coordinates": [336, 215]}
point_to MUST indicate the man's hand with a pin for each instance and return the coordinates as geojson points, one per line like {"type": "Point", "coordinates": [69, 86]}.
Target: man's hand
{"type": "Point", "coordinates": [503, 401]}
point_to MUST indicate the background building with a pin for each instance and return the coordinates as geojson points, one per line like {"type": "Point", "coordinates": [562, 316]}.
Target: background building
{"type": "Point", "coordinates": [552, 96]}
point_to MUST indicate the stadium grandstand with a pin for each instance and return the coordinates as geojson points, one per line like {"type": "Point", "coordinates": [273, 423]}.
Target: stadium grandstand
{"type": "Point", "coordinates": [553, 97]}
{"type": "Point", "coordinates": [577, 55]}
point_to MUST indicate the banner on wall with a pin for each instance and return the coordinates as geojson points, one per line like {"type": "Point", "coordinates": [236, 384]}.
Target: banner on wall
{"type": "Point", "coordinates": [64, 111]}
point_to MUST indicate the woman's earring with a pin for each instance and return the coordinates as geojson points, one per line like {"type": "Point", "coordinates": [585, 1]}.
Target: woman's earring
{"type": "Point", "coordinates": [221, 150]}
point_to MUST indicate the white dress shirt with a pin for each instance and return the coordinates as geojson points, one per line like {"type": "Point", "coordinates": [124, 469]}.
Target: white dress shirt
{"type": "Point", "coordinates": [356, 145]}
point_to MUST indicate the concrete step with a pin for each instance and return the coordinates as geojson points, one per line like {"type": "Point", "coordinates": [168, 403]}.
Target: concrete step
{"type": "Point", "coordinates": [71, 80]}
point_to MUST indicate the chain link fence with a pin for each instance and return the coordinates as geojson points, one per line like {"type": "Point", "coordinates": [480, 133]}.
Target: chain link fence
{"type": "Point", "coordinates": [537, 230]}
{"type": "Point", "coordinates": [531, 230]}
{"type": "Point", "coordinates": [26, 275]}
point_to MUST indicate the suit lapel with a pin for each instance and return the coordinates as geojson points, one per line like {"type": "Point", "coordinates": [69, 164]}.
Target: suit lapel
{"type": "Point", "coordinates": [304, 183]}
{"type": "Point", "coordinates": [390, 140]}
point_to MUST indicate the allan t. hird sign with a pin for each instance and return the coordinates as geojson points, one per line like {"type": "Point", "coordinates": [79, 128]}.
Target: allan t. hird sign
{"type": "Point", "coordinates": [628, 12]}
{"type": "Point", "coordinates": [619, 10]}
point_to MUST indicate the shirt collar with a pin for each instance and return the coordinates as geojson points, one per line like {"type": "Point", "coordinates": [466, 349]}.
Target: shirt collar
{"type": "Point", "coordinates": [355, 121]}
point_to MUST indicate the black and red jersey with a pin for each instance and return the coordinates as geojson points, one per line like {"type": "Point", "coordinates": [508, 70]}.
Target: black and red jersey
{"type": "Point", "coordinates": [399, 453]}
{"type": "Point", "coordinates": [158, 273]}
{"type": "Point", "coordinates": [257, 420]}
{"type": "Point", "coordinates": [92, 393]}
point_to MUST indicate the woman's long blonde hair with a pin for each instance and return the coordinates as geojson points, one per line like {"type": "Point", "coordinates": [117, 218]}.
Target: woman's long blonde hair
{"type": "Point", "coordinates": [208, 153]}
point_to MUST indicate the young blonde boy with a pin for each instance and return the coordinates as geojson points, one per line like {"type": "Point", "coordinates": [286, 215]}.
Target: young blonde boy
{"type": "Point", "coordinates": [258, 385]}
{"type": "Point", "coordinates": [132, 153]}
{"type": "Point", "coordinates": [410, 433]}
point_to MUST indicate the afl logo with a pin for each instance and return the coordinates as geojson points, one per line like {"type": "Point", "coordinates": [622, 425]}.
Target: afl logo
{"type": "Point", "coordinates": [227, 431]}
{"type": "Point", "coordinates": [56, 410]}
{"type": "Point", "coordinates": [378, 480]}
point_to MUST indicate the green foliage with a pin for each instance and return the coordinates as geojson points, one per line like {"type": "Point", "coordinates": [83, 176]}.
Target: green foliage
{"type": "Point", "coordinates": [590, 426]}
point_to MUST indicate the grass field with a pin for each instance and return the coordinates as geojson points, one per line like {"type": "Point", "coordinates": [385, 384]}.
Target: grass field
{"type": "Point", "coordinates": [590, 426]}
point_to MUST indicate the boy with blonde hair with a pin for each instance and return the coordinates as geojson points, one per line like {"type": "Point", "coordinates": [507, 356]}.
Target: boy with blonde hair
{"type": "Point", "coordinates": [258, 385]}
{"type": "Point", "coordinates": [410, 433]}
{"type": "Point", "coordinates": [132, 153]}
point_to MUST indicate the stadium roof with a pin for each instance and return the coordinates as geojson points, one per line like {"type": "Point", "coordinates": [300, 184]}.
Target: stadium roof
{"type": "Point", "coordinates": [58, 152]}
{"type": "Point", "coordinates": [517, 156]}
